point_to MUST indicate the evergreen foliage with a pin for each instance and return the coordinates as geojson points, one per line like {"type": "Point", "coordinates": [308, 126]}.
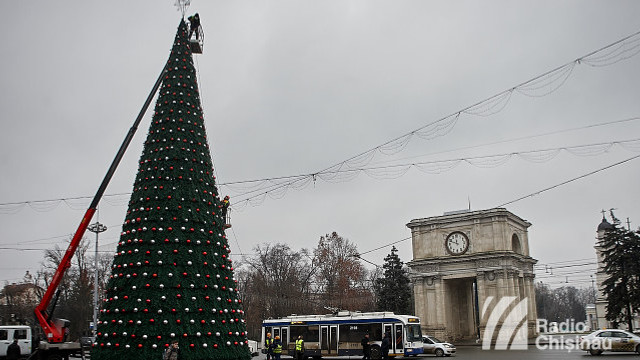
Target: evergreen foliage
{"type": "Point", "coordinates": [621, 257]}
{"type": "Point", "coordinates": [172, 277]}
{"type": "Point", "coordinates": [393, 292]}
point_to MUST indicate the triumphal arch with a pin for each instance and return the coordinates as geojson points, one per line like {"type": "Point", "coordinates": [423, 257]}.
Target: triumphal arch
{"type": "Point", "coordinates": [465, 261]}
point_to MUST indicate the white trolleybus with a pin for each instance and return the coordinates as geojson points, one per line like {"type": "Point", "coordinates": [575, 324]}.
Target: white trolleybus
{"type": "Point", "coordinates": [341, 334]}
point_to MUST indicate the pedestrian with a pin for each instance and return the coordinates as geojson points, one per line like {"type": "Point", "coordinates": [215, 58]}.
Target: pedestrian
{"type": "Point", "coordinates": [277, 348]}
{"type": "Point", "coordinates": [386, 343]}
{"type": "Point", "coordinates": [300, 348]}
{"type": "Point", "coordinates": [172, 352]}
{"type": "Point", "coordinates": [268, 346]}
{"type": "Point", "coordinates": [13, 351]}
{"type": "Point", "coordinates": [366, 347]}
{"type": "Point", "coordinates": [194, 21]}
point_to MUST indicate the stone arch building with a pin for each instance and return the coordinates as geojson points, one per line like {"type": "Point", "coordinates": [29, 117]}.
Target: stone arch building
{"type": "Point", "coordinates": [464, 259]}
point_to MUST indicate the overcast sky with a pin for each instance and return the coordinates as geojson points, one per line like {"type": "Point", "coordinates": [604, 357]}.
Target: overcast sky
{"type": "Point", "coordinates": [294, 87]}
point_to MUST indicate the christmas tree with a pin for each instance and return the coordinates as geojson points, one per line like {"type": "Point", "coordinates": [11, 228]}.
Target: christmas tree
{"type": "Point", "coordinates": [172, 278]}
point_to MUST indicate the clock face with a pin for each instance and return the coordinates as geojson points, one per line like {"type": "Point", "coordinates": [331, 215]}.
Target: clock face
{"type": "Point", "coordinates": [457, 243]}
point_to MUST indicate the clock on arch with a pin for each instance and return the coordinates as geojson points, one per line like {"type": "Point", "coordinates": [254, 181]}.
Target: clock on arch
{"type": "Point", "coordinates": [457, 243]}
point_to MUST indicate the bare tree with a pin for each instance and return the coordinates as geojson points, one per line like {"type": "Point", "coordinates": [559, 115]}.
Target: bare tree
{"type": "Point", "coordinates": [275, 282]}
{"type": "Point", "coordinates": [341, 278]}
{"type": "Point", "coordinates": [75, 290]}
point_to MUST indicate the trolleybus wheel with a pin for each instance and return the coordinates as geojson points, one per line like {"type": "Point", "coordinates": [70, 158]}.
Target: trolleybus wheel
{"type": "Point", "coordinates": [376, 353]}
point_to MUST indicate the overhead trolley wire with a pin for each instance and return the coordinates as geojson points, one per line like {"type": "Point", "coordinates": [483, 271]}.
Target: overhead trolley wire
{"type": "Point", "coordinates": [13, 207]}
{"type": "Point", "coordinates": [569, 181]}
{"type": "Point", "coordinates": [624, 48]}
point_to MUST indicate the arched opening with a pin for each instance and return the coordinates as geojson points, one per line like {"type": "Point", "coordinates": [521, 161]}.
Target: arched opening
{"type": "Point", "coordinates": [515, 244]}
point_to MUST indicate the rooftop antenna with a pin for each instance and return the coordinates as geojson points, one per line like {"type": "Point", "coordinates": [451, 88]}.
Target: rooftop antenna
{"type": "Point", "coordinates": [182, 6]}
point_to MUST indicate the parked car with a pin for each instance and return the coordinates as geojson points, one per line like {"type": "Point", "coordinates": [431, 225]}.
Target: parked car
{"type": "Point", "coordinates": [22, 333]}
{"type": "Point", "coordinates": [610, 340]}
{"type": "Point", "coordinates": [432, 345]}
{"type": "Point", "coordinates": [253, 347]}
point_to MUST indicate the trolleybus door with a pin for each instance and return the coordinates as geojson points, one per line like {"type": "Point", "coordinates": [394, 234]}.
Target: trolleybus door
{"type": "Point", "coordinates": [283, 332]}
{"type": "Point", "coordinates": [388, 329]}
{"type": "Point", "coordinates": [284, 337]}
{"type": "Point", "coordinates": [329, 339]}
{"type": "Point", "coordinates": [398, 345]}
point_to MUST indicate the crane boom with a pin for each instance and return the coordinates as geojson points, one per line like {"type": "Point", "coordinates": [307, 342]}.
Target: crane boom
{"type": "Point", "coordinates": [54, 333]}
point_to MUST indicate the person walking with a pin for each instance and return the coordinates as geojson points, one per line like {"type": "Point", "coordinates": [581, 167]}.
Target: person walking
{"type": "Point", "coordinates": [268, 345]}
{"type": "Point", "coordinates": [299, 348]}
{"type": "Point", "coordinates": [13, 350]}
{"type": "Point", "coordinates": [277, 348]}
{"type": "Point", "coordinates": [366, 348]}
{"type": "Point", "coordinates": [172, 352]}
{"type": "Point", "coordinates": [386, 343]}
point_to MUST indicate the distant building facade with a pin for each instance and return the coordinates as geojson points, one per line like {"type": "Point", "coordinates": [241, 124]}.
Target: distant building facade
{"type": "Point", "coordinates": [463, 259]}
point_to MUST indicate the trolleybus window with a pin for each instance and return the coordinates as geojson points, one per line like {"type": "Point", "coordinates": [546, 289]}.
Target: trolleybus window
{"type": "Point", "coordinates": [310, 333]}
{"type": "Point", "coordinates": [414, 333]}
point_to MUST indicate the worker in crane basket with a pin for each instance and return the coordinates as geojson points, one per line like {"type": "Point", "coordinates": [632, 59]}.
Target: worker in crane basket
{"type": "Point", "coordinates": [194, 21]}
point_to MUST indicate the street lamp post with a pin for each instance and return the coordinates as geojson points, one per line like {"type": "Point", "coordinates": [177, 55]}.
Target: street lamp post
{"type": "Point", "coordinates": [96, 228]}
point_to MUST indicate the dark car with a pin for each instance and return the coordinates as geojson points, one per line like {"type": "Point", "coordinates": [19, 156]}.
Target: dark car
{"type": "Point", "coordinates": [87, 341]}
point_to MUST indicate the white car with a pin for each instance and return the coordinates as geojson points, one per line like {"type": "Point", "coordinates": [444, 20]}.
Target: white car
{"type": "Point", "coordinates": [431, 345]}
{"type": "Point", "coordinates": [610, 340]}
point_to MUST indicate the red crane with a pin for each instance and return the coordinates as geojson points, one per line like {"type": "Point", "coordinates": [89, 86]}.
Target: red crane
{"type": "Point", "coordinates": [54, 329]}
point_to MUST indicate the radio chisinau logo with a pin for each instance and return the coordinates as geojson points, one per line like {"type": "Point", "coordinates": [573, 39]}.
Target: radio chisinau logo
{"type": "Point", "coordinates": [506, 324]}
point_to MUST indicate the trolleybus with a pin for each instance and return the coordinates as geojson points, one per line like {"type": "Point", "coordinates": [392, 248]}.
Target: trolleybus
{"type": "Point", "coordinates": [341, 334]}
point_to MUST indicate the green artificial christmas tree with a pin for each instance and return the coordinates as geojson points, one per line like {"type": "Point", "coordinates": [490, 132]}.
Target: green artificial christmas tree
{"type": "Point", "coordinates": [172, 278]}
